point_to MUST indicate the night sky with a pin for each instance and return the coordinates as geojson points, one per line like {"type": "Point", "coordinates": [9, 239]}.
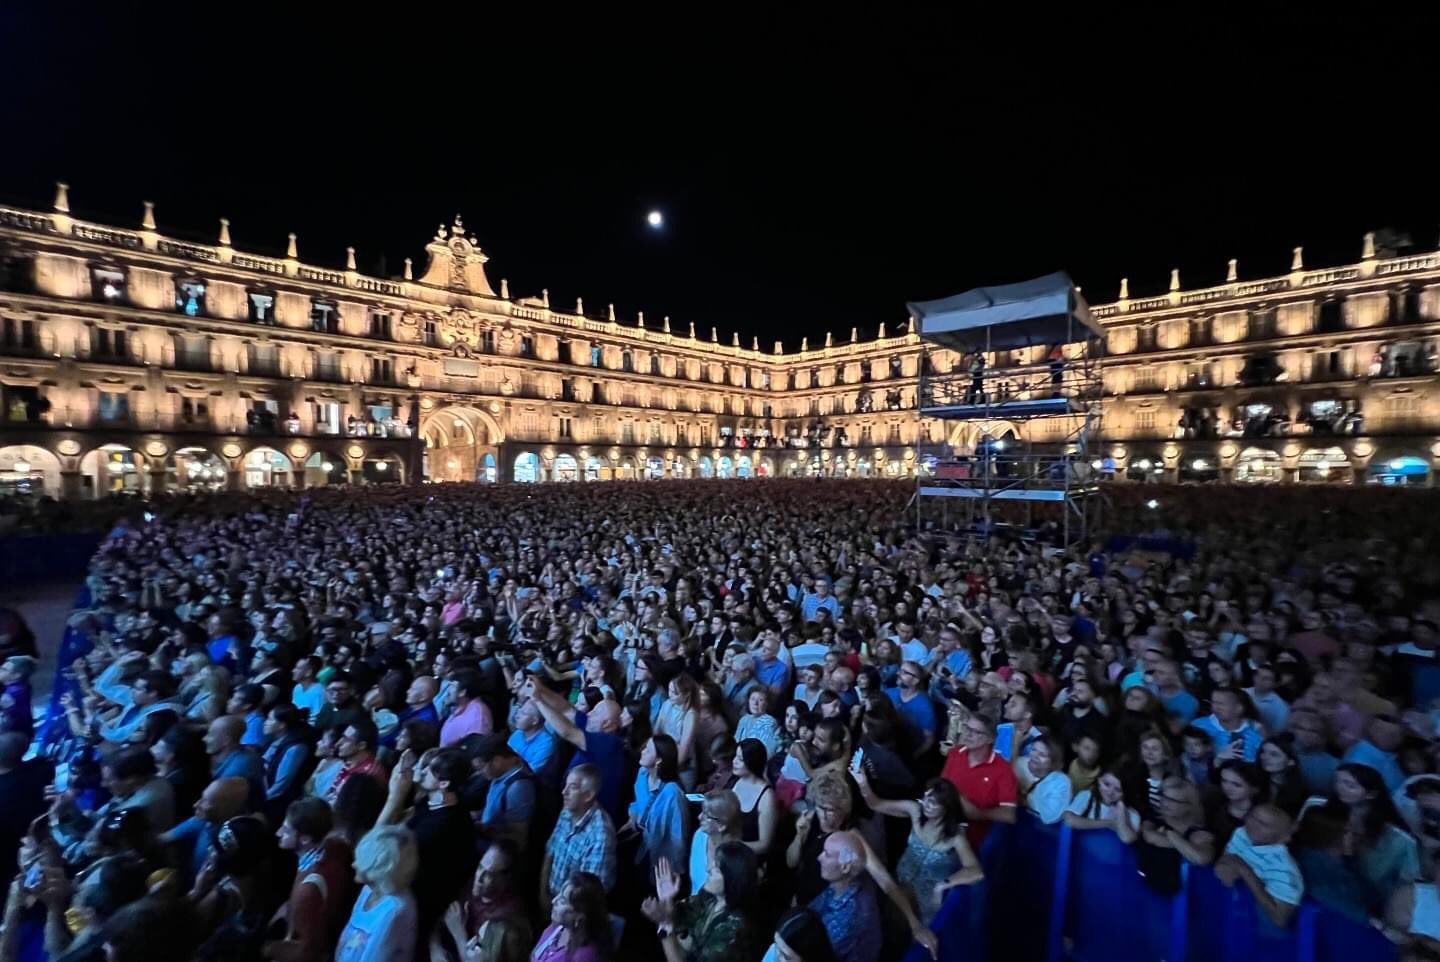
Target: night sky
{"type": "Point", "coordinates": [815, 175]}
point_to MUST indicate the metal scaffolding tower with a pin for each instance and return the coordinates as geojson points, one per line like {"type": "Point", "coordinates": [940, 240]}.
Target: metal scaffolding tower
{"type": "Point", "coordinates": [1027, 382]}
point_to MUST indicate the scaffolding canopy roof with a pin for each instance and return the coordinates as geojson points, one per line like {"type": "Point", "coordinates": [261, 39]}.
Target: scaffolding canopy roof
{"type": "Point", "coordinates": [1045, 310]}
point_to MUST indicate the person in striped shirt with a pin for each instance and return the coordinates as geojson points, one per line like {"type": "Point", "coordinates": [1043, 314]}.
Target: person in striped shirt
{"type": "Point", "coordinates": [1257, 855]}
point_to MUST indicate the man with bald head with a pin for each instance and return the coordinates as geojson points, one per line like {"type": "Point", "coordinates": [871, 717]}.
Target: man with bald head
{"type": "Point", "coordinates": [223, 799]}
{"type": "Point", "coordinates": [848, 906]}
{"type": "Point", "coordinates": [230, 759]}
{"type": "Point", "coordinates": [419, 706]}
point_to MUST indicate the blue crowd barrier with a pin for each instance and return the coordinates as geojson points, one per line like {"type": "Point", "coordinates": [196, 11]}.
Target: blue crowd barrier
{"type": "Point", "coordinates": [29, 559]}
{"type": "Point", "coordinates": [74, 644]}
{"type": "Point", "coordinates": [1052, 894]}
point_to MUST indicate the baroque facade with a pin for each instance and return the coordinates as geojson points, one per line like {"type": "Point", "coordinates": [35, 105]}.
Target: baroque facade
{"type": "Point", "coordinates": [134, 361]}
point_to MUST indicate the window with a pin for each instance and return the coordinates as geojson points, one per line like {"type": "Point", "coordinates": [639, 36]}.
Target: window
{"type": "Point", "coordinates": [655, 435]}
{"type": "Point", "coordinates": [324, 318]}
{"type": "Point", "coordinates": [1145, 379]}
{"type": "Point", "coordinates": [814, 377]}
{"type": "Point", "coordinates": [794, 380]}
{"type": "Point", "coordinates": [19, 336]}
{"type": "Point", "coordinates": [1200, 331]}
{"type": "Point", "coordinates": [263, 360]}
{"type": "Point", "coordinates": [380, 325]}
{"type": "Point", "coordinates": [839, 374]}
{"type": "Point", "coordinates": [108, 345]}
{"type": "Point", "coordinates": [1332, 316]}
{"type": "Point", "coordinates": [627, 432]}
{"type": "Point", "coordinates": [262, 308]}
{"type": "Point", "coordinates": [192, 352]}
{"type": "Point", "coordinates": [114, 406]}
{"type": "Point", "coordinates": [655, 365]}
{"type": "Point", "coordinates": [1145, 337]}
{"type": "Point", "coordinates": [627, 362]}
{"type": "Point", "coordinates": [382, 370]}
{"type": "Point", "coordinates": [194, 411]}
{"type": "Point", "coordinates": [107, 284]}
{"type": "Point", "coordinates": [327, 417]}
{"type": "Point", "coordinates": [681, 436]}
{"type": "Point", "coordinates": [895, 433]}
{"type": "Point", "coordinates": [430, 331]}
{"type": "Point", "coordinates": [565, 429]}
{"type": "Point", "coordinates": [487, 342]}
{"type": "Point", "coordinates": [595, 355]}
{"type": "Point", "coordinates": [567, 390]}
{"type": "Point", "coordinates": [1145, 419]}
{"type": "Point", "coordinates": [527, 345]}
{"type": "Point", "coordinates": [704, 435]}
{"type": "Point", "coordinates": [1260, 325]}
{"type": "Point", "coordinates": [897, 367]}
{"type": "Point", "coordinates": [190, 298]}
{"type": "Point", "coordinates": [327, 366]}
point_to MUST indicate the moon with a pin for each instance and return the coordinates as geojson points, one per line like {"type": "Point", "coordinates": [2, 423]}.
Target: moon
{"type": "Point", "coordinates": [655, 219]}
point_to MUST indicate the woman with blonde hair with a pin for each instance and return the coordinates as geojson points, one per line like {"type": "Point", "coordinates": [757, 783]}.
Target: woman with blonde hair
{"type": "Point", "coordinates": [210, 693]}
{"type": "Point", "coordinates": [382, 924]}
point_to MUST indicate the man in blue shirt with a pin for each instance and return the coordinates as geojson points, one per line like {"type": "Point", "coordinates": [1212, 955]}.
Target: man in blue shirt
{"type": "Point", "coordinates": [537, 746]}
{"type": "Point", "coordinates": [1234, 735]}
{"type": "Point", "coordinates": [770, 669]}
{"type": "Point", "coordinates": [912, 701]}
{"type": "Point", "coordinates": [510, 803]}
{"type": "Point", "coordinates": [596, 738]}
{"type": "Point", "coordinates": [230, 759]}
{"type": "Point", "coordinates": [223, 799]}
{"type": "Point", "coordinates": [817, 599]}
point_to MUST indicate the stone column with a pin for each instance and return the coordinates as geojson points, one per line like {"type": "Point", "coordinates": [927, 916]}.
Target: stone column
{"type": "Point", "coordinates": [72, 485]}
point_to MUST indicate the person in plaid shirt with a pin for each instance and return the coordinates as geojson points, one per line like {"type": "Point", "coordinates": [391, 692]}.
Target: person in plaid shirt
{"type": "Point", "coordinates": [584, 838]}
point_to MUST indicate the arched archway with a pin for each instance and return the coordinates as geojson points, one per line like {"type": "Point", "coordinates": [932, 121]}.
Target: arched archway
{"type": "Point", "coordinates": [489, 472]}
{"type": "Point", "coordinates": [1407, 469]}
{"type": "Point", "coordinates": [323, 468]}
{"type": "Point", "coordinates": [28, 471]}
{"type": "Point", "coordinates": [724, 467]}
{"type": "Point", "coordinates": [115, 469]}
{"type": "Point", "coordinates": [1325, 465]}
{"type": "Point", "coordinates": [766, 468]}
{"type": "Point", "coordinates": [706, 468]}
{"type": "Point", "coordinates": [594, 469]}
{"type": "Point", "coordinates": [195, 469]}
{"type": "Point", "coordinates": [744, 468]}
{"type": "Point", "coordinates": [625, 470]}
{"type": "Point", "coordinates": [527, 467]}
{"type": "Point", "coordinates": [566, 468]}
{"type": "Point", "coordinates": [267, 468]}
{"type": "Point", "coordinates": [383, 469]}
{"type": "Point", "coordinates": [1258, 466]}
{"type": "Point", "coordinates": [458, 438]}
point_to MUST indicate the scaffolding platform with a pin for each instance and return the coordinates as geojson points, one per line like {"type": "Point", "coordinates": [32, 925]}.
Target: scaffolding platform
{"type": "Point", "coordinates": [1025, 352]}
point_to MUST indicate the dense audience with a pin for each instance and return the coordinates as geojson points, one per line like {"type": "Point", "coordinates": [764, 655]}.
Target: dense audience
{"type": "Point", "coordinates": [708, 720]}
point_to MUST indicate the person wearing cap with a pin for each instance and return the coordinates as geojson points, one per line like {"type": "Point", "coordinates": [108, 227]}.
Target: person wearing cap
{"type": "Point", "coordinates": [510, 801]}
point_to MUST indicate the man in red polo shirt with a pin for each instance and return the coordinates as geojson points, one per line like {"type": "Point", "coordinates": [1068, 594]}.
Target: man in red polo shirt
{"type": "Point", "coordinates": [984, 779]}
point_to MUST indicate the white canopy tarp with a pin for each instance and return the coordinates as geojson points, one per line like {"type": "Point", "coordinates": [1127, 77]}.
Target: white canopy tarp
{"type": "Point", "coordinates": [1046, 310]}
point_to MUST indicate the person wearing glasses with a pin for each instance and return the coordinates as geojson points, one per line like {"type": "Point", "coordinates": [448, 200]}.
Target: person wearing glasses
{"type": "Point", "coordinates": [1178, 833]}
{"type": "Point", "coordinates": [912, 700]}
{"type": "Point", "coordinates": [984, 779]}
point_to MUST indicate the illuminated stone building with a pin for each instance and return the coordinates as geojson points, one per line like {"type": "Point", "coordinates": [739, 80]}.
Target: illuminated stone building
{"type": "Point", "coordinates": [135, 361]}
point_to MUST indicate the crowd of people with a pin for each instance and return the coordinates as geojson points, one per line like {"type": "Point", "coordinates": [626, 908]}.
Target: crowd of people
{"type": "Point", "coordinates": [706, 720]}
